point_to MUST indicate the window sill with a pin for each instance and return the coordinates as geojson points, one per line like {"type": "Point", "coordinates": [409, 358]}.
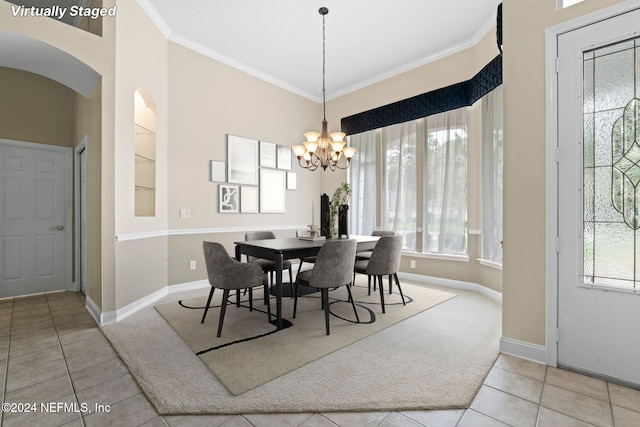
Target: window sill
{"type": "Point", "coordinates": [491, 264]}
{"type": "Point", "coordinates": [441, 257]}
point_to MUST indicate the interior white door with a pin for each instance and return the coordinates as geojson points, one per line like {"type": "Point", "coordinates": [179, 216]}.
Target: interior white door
{"type": "Point", "coordinates": [34, 218]}
{"type": "Point", "coordinates": [599, 198]}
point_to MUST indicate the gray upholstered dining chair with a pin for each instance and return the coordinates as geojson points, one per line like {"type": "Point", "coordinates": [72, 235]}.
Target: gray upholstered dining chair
{"type": "Point", "coordinates": [268, 266]}
{"type": "Point", "coordinates": [333, 268]}
{"type": "Point", "coordinates": [385, 260]}
{"type": "Point", "coordinates": [379, 233]}
{"type": "Point", "coordinates": [228, 274]}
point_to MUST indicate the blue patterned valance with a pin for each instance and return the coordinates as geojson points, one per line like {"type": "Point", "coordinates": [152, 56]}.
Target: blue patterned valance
{"type": "Point", "coordinates": [437, 101]}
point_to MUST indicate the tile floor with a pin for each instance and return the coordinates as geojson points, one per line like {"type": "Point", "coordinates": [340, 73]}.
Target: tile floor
{"type": "Point", "coordinates": [58, 369]}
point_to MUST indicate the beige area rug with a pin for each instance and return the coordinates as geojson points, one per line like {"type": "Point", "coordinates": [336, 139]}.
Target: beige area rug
{"type": "Point", "coordinates": [251, 351]}
{"type": "Point", "coordinates": [435, 359]}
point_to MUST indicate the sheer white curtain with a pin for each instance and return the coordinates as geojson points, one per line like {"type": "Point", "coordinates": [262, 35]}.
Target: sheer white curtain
{"type": "Point", "coordinates": [492, 176]}
{"type": "Point", "coordinates": [362, 178]}
{"type": "Point", "coordinates": [445, 183]}
{"type": "Point", "coordinates": [399, 181]}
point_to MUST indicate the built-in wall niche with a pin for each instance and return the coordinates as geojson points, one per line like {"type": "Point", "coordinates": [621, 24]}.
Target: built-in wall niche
{"type": "Point", "coordinates": [144, 154]}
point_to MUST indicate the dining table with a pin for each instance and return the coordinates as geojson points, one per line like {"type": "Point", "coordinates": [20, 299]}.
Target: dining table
{"type": "Point", "coordinates": [278, 250]}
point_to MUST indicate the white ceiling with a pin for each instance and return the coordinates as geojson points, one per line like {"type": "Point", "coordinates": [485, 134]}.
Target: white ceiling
{"type": "Point", "coordinates": [367, 41]}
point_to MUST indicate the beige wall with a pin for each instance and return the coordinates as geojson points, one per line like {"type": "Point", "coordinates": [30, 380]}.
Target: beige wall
{"type": "Point", "coordinates": [524, 296]}
{"type": "Point", "coordinates": [208, 101]}
{"type": "Point", "coordinates": [35, 109]}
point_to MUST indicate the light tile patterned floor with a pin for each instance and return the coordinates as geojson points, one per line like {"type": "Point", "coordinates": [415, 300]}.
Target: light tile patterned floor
{"type": "Point", "coordinates": [52, 354]}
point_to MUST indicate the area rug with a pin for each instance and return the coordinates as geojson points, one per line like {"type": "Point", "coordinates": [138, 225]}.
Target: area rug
{"type": "Point", "coordinates": [436, 359]}
{"type": "Point", "coordinates": [249, 338]}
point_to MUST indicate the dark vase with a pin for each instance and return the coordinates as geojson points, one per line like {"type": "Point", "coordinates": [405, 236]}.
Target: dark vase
{"type": "Point", "coordinates": [343, 218]}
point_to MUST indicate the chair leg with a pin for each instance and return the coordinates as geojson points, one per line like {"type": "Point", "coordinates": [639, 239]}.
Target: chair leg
{"type": "Point", "coordinates": [250, 299]}
{"type": "Point", "coordinates": [395, 275]}
{"type": "Point", "coordinates": [381, 292]}
{"type": "Point", "coordinates": [369, 284]}
{"type": "Point", "coordinates": [353, 304]}
{"type": "Point", "coordinates": [208, 302]}
{"type": "Point", "coordinates": [325, 302]}
{"type": "Point", "coordinates": [390, 285]}
{"type": "Point", "coordinates": [223, 308]}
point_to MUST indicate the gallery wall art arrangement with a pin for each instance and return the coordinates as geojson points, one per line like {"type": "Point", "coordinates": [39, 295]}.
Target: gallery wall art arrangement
{"type": "Point", "coordinates": [254, 178]}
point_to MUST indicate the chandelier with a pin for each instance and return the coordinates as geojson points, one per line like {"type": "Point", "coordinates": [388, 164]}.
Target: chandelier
{"type": "Point", "coordinates": [321, 149]}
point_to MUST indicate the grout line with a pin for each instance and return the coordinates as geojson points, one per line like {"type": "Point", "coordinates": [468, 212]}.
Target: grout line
{"type": "Point", "coordinates": [6, 364]}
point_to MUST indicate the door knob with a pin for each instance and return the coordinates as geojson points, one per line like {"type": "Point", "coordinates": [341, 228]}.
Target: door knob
{"type": "Point", "coordinates": [59, 228]}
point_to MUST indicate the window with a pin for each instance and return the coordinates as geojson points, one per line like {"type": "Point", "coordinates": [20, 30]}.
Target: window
{"type": "Point", "coordinates": [398, 211]}
{"type": "Point", "coordinates": [445, 183]}
{"type": "Point", "coordinates": [492, 176]}
{"type": "Point", "coordinates": [414, 175]}
{"type": "Point", "coordinates": [363, 183]}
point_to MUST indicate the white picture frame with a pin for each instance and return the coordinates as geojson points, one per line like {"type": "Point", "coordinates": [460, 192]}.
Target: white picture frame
{"type": "Point", "coordinates": [249, 199]}
{"type": "Point", "coordinates": [291, 181]}
{"type": "Point", "coordinates": [228, 198]}
{"type": "Point", "coordinates": [218, 171]}
{"type": "Point", "coordinates": [242, 160]}
{"type": "Point", "coordinates": [272, 191]}
{"type": "Point", "coordinates": [267, 154]}
{"type": "Point", "coordinates": [284, 157]}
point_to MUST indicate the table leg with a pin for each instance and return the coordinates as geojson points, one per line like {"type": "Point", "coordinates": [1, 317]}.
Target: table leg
{"type": "Point", "coordinates": [278, 261]}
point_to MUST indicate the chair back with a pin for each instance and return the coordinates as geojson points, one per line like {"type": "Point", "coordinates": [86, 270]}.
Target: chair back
{"type": "Point", "coordinates": [385, 258]}
{"type": "Point", "coordinates": [381, 233]}
{"type": "Point", "coordinates": [216, 258]}
{"type": "Point", "coordinates": [258, 235]}
{"type": "Point", "coordinates": [334, 264]}
{"type": "Point", "coordinates": [224, 272]}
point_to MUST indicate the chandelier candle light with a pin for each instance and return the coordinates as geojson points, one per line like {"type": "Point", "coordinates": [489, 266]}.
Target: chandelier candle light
{"type": "Point", "coordinates": [321, 149]}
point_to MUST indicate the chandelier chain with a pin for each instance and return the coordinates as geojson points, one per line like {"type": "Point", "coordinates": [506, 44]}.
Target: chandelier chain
{"type": "Point", "coordinates": [324, 60]}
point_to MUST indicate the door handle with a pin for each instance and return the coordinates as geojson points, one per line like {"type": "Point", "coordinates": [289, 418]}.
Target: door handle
{"type": "Point", "coordinates": [59, 228]}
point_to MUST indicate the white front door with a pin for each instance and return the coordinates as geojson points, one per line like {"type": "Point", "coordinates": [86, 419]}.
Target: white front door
{"type": "Point", "coordinates": [34, 218]}
{"type": "Point", "coordinates": [599, 198]}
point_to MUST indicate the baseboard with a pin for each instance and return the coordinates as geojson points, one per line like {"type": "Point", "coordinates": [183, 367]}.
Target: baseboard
{"type": "Point", "coordinates": [115, 316]}
{"type": "Point", "coordinates": [449, 283]}
{"type": "Point", "coordinates": [523, 350]}
{"type": "Point", "coordinates": [189, 286]}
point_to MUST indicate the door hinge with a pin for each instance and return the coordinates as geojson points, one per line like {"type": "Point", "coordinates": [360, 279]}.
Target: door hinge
{"type": "Point", "coordinates": [558, 244]}
{"type": "Point", "coordinates": [557, 65]}
{"type": "Point", "coordinates": [557, 154]}
{"type": "Point", "coordinates": [557, 334]}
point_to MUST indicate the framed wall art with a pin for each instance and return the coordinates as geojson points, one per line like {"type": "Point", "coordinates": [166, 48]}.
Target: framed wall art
{"type": "Point", "coordinates": [242, 160]}
{"type": "Point", "coordinates": [228, 198]}
{"type": "Point", "coordinates": [267, 154]}
{"type": "Point", "coordinates": [249, 199]}
{"type": "Point", "coordinates": [291, 181]}
{"type": "Point", "coordinates": [284, 157]}
{"type": "Point", "coordinates": [272, 190]}
{"type": "Point", "coordinates": [218, 171]}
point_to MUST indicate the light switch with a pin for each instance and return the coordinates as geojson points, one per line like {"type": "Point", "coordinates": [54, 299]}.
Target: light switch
{"type": "Point", "coordinates": [185, 213]}
{"type": "Point", "coordinates": [192, 264]}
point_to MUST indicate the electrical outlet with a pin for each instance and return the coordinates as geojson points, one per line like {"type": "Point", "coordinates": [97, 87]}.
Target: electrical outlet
{"type": "Point", "coordinates": [192, 264]}
{"type": "Point", "coordinates": [413, 263]}
{"type": "Point", "coordinates": [185, 213]}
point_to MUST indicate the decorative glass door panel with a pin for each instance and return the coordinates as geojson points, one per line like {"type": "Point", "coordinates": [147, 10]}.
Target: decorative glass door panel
{"type": "Point", "coordinates": [611, 166]}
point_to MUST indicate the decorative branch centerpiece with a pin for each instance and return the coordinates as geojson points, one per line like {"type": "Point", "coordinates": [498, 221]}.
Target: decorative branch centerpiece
{"type": "Point", "coordinates": [338, 209]}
